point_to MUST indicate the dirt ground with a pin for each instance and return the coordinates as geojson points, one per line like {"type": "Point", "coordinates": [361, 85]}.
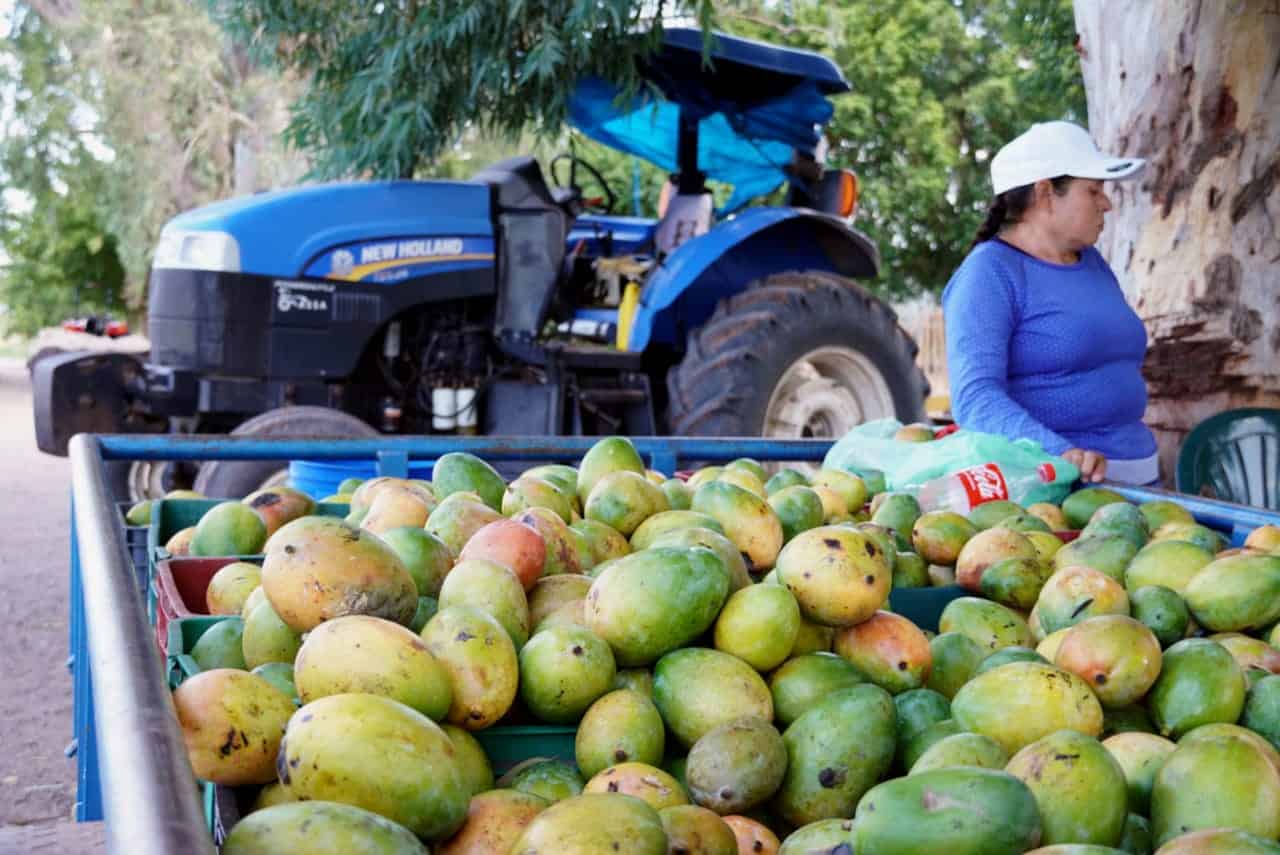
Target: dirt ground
{"type": "Point", "coordinates": [37, 782]}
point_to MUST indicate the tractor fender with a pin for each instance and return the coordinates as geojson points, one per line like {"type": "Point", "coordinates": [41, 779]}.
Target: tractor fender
{"type": "Point", "coordinates": [683, 291]}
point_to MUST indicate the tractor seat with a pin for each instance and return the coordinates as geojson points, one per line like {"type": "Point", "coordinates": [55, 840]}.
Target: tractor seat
{"type": "Point", "coordinates": [686, 215]}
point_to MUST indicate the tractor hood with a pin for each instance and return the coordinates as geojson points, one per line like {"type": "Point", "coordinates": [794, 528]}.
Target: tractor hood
{"type": "Point", "coordinates": [755, 104]}
{"type": "Point", "coordinates": [282, 232]}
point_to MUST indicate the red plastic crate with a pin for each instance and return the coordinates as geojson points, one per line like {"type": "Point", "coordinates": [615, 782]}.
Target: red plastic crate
{"type": "Point", "coordinates": [180, 587]}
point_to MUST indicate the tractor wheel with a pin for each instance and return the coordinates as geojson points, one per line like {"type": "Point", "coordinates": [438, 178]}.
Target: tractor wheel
{"type": "Point", "coordinates": [801, 355]}
{"type": "Point", "coordinates": [235, 479]}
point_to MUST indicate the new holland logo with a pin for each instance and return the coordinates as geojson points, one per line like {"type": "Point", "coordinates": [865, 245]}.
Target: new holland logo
{"type": "Point", "coordinates": [302, 297]}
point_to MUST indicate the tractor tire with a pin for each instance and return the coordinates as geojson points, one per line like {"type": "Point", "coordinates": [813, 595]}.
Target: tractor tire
{"type": "Point", "coordinates": [235, 479]}
{"type": "Point", "coordinates": [798, 355]}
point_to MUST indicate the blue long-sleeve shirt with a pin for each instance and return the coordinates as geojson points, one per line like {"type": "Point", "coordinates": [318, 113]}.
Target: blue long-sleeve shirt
{"type": "Point", "coordinates": [1047, 351]}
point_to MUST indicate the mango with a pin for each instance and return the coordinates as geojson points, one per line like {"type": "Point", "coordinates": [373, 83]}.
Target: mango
{"type": "Point", "coordinates": [492, 588]}
{"type": "Point", "coordinates": [889, 649]}
{"type": "Point", "coordinates": [899, 512]}
{"type": "Point", "coordinates": [377, 754]}
{"type": "Point", "coordinates": [359, 653]}
{"type": "Point", "coordinates": [1005, 655]}
{"type": "Point", "coordinates": [1262, 709]}
{"type": "Point", "coordinates": [825, 835]}
{"type": "Point", "coordinates": [551, 592]}
{"type": "Point", "coordinates": [696, 690]}
{"type": "Point", "coordinates": [562, 555]}
{"type": "Point", "coordinates": [621, 726]}
{"type": "Point", "coordinates": [1108, 554]}
{"type": "Point", "coordinates": [989, 514]}
{"type": "Point", "coordinates": [267, 638]}
{"type": "Point", "coordinates": [229, 528]}
{"type": "Point", "coordinates": [697, 831]}
{"type": "Point", "coordinates": [1015, 582]}
{"type": "Point", "coordinates": [611, 454]}
{"type": "Point", "coordinates": [1079, 507]}
{"type": "Point", "coordinates": [481, 662]}
{"type": "Point", "coordinates": [837, 751]}
{"type": "Point", "coordinates": [221, 646]}
{"type": "Point", "coordinates": [1202, 536]}
{"type": "Point", "coordinates": [838, 576]}
{"type": "Point", "coordinates": [510, 543]}
{"type": "Point", "coordinates": [1140, 756]}
{"type": "Point", "coordinates": [1265, 538]}
{"type": "Point", "coordinates": [425, 556]}
{"type": "Point", "coordinates": [593, 823]}
{"type": "Point", "coordinates": [987, 548]}
{"type": "Point", "coordinates": [939, 536]}
{"type": "Point", "coordinates": [678, 494]}
{"type": "Point", "coordinates": [910, 571]}
{"type": "Point", "coordinates": [1217, 782]}
{"type": "Point", "coordinates": [962, 749]}
{"type": "Point", "coordinates": [748, 521]}
{"type": "Point", "coordinates": [1236, 593]}
{"type": "Point", "coordinates": [231, 586]}
{"type": "Point", "coordinates": [473, 763]}
{"type": "Point", "coordinates": [990, 625]}
{"type": "Point", "coordinates": [280, 675]}
{"type": "Point", "coordinates": [955, 659]}
{"type": "Point", "coordinates": [1162, 611]}
{"type": "Point", "coordinates": [551, 780]}
{"type": "Point", "coordinates": [458, 517]}
{"type": "Point", "coordinates": [653, 528]}
{"type": "Point", "coordinates": [324, 828]}
{"type": "Point", "coordinates": [1074, 594]}
{"type": "Point", "coordinates": [752, 836]}
{"type": "Point", "coordinates": [959, 811]}
{"type": "Point", "coordinates": [729, 556]}
{"type": "Point", "coordinates": [804, 680]}
{"type": "Point", "coordinates": [232, 722]}
{"type": "Point", "coordinates": [1018, 703]}
{"type": "Point", "coordinates": [759, 624]}
{"type": "Point", "coordinates": [1219, 841]}
{"type": "Point", "coordinates": [798, 509]}
{"type": "Point", "coordinates": [460, 472]}
{"type": "Point", "coordinates": [1051, 514]}
{"type": "Point", "coordinates": [604, 542]}
{"type": "Point", "coordinates": [623, 500]}
{"type": "Point", "coordinates": [784, 478]}
{"type": "Point", "coordinates": [1119, 519]}
{"type": "Point", "coordinates": [736, 766]}
{"type": "Point", "coordinates": [1116, 655]}
{"type": "Point", "coordinates": [319, 568]}
{"type": "Point", "coordinates": [1078, 785]}
{"type": "Point", "coordinates": [1199, 683]}
{"type": "Point", "coordinates": [656, 600]}
{"type": "Point", "coordinates": [495, 820]}
{"type": "Point", "coordinates": [396, 507]}
{"type": "Point", "coordinates": [529, 492]}
{"type": "Point", "coordinates": [563, 670]}
{"type": "Point", "coordinates": [851, 489]}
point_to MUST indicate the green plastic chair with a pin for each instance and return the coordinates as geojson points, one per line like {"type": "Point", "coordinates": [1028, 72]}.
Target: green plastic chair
{"type": "Point", "coordinates": [1234, 456]}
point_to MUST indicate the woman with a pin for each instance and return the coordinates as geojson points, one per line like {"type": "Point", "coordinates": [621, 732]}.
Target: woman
{"type": "Point", "coordinates": [1040, 340]}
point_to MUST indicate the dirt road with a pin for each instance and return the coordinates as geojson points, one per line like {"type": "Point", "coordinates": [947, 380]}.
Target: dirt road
{"type": "Point", "coordinates": [37, 783]}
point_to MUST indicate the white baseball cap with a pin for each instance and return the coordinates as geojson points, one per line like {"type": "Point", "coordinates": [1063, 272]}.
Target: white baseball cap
{"type": "Point", "coordinates": [1050, 149]}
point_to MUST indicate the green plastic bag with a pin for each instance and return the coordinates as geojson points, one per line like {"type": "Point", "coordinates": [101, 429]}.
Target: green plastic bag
{"type": "Point", "coordinates": [907, 465]}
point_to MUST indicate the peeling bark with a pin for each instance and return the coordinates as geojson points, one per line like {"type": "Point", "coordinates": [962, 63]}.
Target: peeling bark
{"type": "Point", "coordinates": [1194, 87]}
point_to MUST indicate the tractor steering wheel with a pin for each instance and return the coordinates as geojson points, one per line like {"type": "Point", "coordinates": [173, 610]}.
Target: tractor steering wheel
{"type": "Point", "coordinates": [593, 204]}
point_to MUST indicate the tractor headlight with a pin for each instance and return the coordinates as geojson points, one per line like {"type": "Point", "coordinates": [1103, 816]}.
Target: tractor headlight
{"type": "Point", "coordinates": [191, 250]}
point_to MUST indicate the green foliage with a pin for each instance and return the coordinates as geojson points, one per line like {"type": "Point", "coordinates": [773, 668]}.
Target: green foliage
{"type": "Point", "coordinates": [61, 258]}
{"type": "Point", "coordinates": [938, 87]}
{"type": "Point", "coordinates": [394, 85]}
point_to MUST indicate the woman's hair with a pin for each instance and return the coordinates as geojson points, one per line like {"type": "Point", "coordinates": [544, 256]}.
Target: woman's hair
{"type": "Point", "coordinates": [1009, 206]}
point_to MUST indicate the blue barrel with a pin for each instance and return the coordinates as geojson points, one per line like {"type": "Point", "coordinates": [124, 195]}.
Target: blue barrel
{"type": "Point", "coordinates": [320, 478]}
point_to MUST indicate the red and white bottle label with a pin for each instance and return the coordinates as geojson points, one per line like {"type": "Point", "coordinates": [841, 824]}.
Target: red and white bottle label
{"type": "Point", "coordinates": [983, 483]}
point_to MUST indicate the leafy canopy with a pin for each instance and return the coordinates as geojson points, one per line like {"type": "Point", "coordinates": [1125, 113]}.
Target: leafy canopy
{"type": "Point", "coordinates": [61, 258]}
{"type": "Point", "coordinates": [394, 84]}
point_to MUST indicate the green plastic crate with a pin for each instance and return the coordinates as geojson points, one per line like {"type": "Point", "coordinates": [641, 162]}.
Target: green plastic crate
{"type": "Point", "coordinates": [506, 746]}
{"type": "Point", "coordinates": [170, 516]}
{"type": "Point", "coordinates": [923, 606]}
{"type": "Point", "coordinates": [183, 635]}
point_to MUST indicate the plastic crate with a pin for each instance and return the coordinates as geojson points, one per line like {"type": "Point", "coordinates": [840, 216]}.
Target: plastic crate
{"type": "Point", "coordinates": [506, 746]}
{"type": "Point", "coordinates": [179, 586]}
{"type": "Point", "coordinates": [135, 539]}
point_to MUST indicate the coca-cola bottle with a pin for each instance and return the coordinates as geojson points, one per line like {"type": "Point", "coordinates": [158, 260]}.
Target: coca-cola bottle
{"type": "Point", "coordinates": [963, 491]}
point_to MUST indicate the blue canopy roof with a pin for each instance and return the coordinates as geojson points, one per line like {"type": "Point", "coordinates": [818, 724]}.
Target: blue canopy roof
{"type": "Point", "coordinates": [756, 103]}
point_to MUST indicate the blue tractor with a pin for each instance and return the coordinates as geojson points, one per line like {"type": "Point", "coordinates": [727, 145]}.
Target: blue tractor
{"type": "Point", "coordinates": [509, 305]}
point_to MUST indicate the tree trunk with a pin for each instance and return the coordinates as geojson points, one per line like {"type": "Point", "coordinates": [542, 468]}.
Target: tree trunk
{"type": "Point", "coordinates": [1194, 87]}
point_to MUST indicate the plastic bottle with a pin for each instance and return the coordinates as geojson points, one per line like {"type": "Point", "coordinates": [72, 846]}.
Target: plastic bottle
{"type": "Point", "coordinates": [961, 492]}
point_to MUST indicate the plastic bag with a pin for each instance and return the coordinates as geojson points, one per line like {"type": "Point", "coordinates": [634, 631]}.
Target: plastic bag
{"type": "Point", "coordinates": [906, 465]}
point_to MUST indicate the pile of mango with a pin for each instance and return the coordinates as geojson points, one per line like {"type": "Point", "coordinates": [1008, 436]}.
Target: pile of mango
{"type": "Point", "coordinates": [724, 647]}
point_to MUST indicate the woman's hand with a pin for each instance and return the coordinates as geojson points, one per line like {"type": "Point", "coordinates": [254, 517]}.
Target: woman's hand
{"type": "Point", "coordinates": [1092, 465]}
